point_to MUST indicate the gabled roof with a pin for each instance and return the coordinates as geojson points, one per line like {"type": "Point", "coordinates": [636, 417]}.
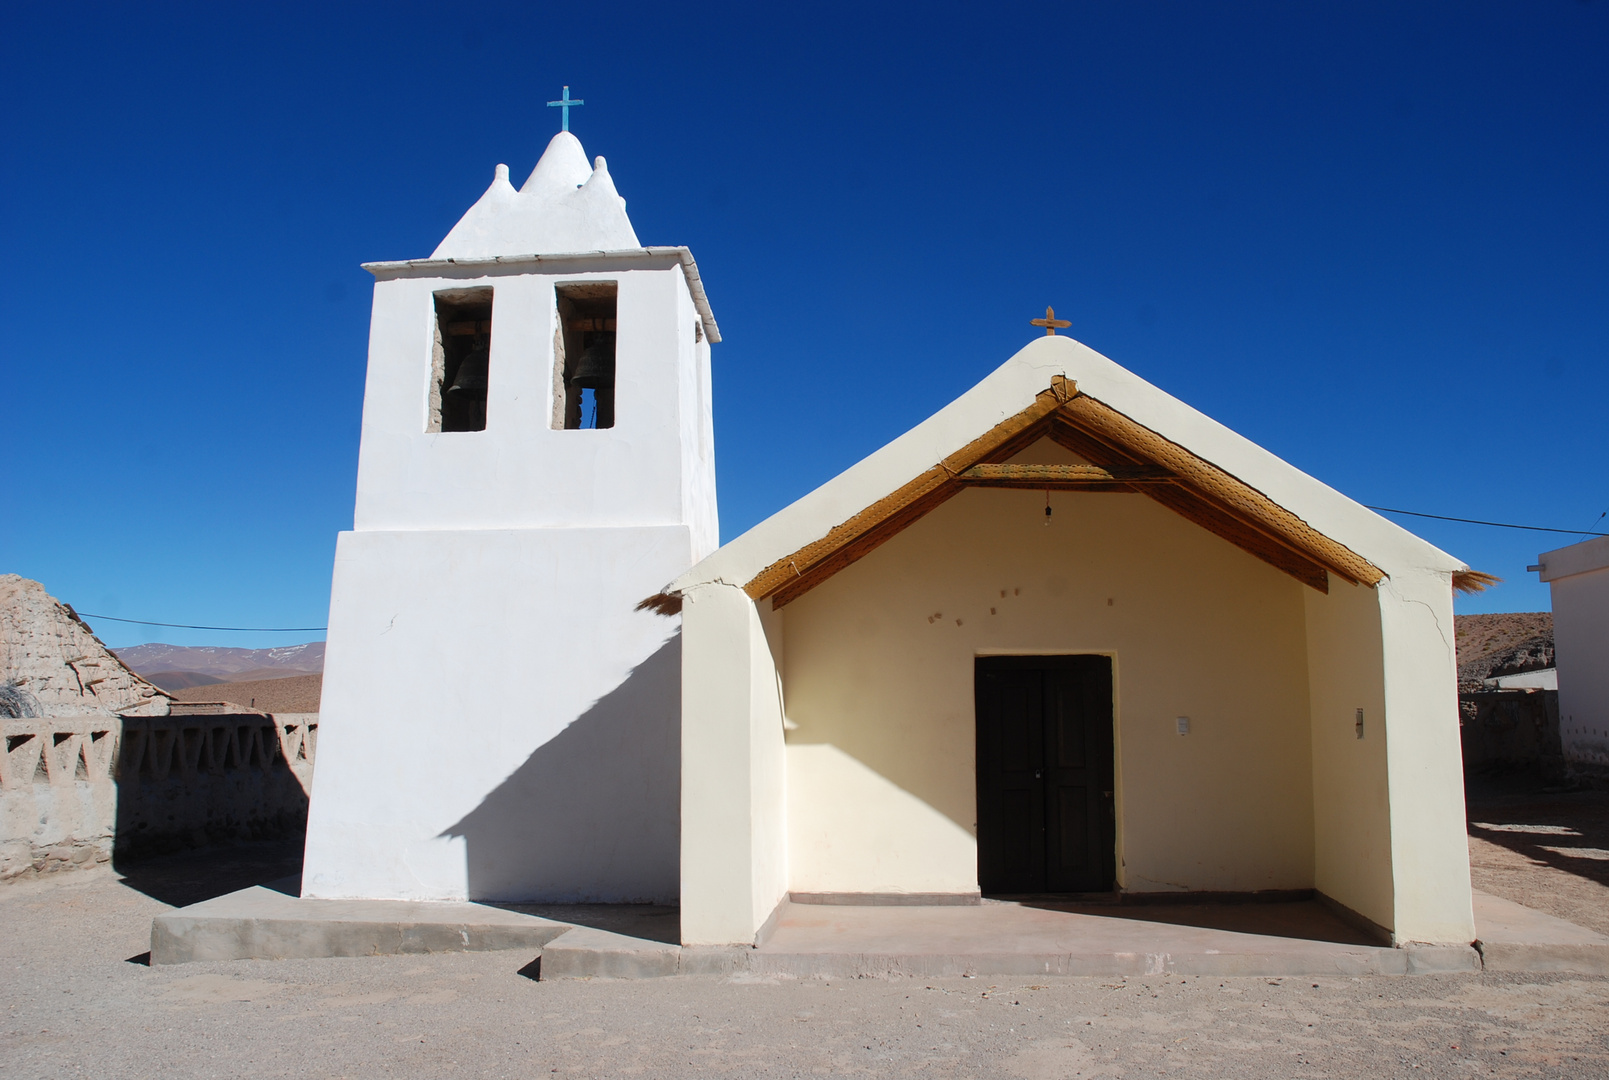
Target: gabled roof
{"type": "Point", "coordinates": [1134, 437]}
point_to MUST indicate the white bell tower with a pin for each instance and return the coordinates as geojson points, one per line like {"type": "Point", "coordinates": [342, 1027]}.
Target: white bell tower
{"type": "Point", "coordinates": [499, 721]}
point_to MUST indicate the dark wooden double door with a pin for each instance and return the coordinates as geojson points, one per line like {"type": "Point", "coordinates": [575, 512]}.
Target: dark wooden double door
{"type": "Point", "coordinates": [1046, 819]}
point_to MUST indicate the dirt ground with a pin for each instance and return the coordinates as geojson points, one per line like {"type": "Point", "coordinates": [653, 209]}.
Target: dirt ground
{"type": "Point", "coordinates": [1543, 848]}
{"type": "Point", "coordinates": [77, 998]}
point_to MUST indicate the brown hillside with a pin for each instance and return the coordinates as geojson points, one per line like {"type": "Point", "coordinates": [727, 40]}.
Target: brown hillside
{"type": "Point", "coordinates": [179, 680]}
{"type": "Point", "coordinates": [1501, 643]}
{"type": "Point", "coordinates": [297, 693]}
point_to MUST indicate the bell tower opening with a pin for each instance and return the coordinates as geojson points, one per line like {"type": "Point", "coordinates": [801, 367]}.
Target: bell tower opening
{"type": "Point", "coordinates": [460, 360]}
{"type": "Point", "coordinates": [584, 356]}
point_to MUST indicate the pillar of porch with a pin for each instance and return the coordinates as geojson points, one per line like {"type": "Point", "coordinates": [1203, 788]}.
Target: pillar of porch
{"type": "Point", "coordinates": [734, 857]}
{"type": "Point", "coordinates": [1429, 841]}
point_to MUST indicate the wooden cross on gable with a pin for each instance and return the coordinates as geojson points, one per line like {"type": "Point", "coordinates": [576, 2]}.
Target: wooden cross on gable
{"type": "Point", "coordinates": [1050, 322]}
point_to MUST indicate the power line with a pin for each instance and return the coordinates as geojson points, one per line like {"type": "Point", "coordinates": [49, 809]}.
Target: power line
{"type": "Point", "coordinates": [187, 626]}
{"type": "Point", "coordinates": [322, 629]}
{"type": "Point", "coordinates": [1493, 524]}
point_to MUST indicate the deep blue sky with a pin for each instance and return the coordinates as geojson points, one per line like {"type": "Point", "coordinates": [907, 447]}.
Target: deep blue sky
{"type": "Point", "coordinates": [1371, 237]}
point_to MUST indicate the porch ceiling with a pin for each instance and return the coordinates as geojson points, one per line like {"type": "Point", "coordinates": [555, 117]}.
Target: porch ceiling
{"type": "Point", "coordinates": [1123, 456]}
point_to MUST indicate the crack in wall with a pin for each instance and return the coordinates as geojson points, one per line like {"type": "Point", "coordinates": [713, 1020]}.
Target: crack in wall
{"type": "Point", "coordinates": [1441, 630]}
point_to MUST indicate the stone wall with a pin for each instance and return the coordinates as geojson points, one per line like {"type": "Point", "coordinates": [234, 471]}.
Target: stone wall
{"type": "Point", "coordinates": [77, 791]}
{"type": "Point", "coordinates": [1511, 729]}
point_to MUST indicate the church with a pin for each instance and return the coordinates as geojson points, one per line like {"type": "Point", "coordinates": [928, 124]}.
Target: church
{"type": "Point", "coordinates": [1068, 636]}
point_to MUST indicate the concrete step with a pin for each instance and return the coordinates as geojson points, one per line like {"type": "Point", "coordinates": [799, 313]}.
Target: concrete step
{"type": "Point", "coordinates": [1512, 937]}
{"type": "Point", "coordinates": [263, 923]}
{"type": "Point", "coordinates": [848, 942]}
{"type": "Point", "coordinates": [595, 954]}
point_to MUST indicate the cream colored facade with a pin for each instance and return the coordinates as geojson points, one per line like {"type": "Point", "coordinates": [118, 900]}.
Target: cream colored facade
{"type": "Point", "coordinates": [829, 741]}
{"type": "Point", "coordinates": [881, 766]}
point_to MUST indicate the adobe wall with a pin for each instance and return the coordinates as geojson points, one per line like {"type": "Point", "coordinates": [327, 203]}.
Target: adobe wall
{"type": "Point", "coordinates": [77, 791]}
{"type": "Point", "coordinates": [1511, 729]}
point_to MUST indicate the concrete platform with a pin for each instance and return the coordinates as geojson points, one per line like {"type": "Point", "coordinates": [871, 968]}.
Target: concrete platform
{"type": "Point", "coordinates": [842, 941]}
{"type": "Point", "coordinates": [271, 923]}
{"type": "Point", "coordinates": [845, 941]}
{"type": "Point", "coordinates": [1515, 938]}
{"type": "Point", "coordinates": [1300, 938]}
{"type": "Point", "coordinates": [1012, 939]}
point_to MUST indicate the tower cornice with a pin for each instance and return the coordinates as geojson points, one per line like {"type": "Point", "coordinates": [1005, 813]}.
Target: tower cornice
{"type": "Point", "coordinates": [654, 257]}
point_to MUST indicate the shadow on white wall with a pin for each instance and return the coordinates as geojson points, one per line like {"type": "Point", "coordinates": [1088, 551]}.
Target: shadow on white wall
{"type": "Point", "coordinates": [594, 814]}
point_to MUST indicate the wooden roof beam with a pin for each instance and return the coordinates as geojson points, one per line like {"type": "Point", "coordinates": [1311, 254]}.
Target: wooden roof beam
{"type": "Point", "coordinates": [1192, 505]}
{"type": "Point", "coordinates": [1240, 499]}
{"type": "Point", "coordinates": [1064, 477]}
{"type": "Point", "coordinates": [842, 543]}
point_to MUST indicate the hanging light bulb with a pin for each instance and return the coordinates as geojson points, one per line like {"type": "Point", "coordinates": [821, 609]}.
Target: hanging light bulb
{"type": "Point", "coordinates": [1047, 508]}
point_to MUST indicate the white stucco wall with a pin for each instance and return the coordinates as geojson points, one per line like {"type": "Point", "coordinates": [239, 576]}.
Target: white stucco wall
{"type": "Point", "coordinates": [566, 204]}
{"type": "Point", "coordinates": [497, 721]}
{"type": "Point", "coordinates": [881, 766]}
{"type": "Point", "coordinates": [1578, 577]}
{"type": "Point", "coordinates": [654, 467]}
{"type": "Point", "coordinates": [696, 414]}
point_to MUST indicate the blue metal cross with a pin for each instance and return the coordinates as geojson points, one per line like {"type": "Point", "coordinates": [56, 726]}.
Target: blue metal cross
{"type": "Point", "coordinates": [565, 104]}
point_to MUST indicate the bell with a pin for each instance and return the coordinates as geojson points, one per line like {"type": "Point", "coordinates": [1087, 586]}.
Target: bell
{"type": "Point", "coordinates": [470, 381]}
{"type": "Point", "coordinates": [596, 368]}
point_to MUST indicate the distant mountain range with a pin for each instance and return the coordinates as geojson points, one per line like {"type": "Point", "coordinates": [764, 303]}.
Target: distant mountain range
{"type": "Point", "coordinates": [175, 667]}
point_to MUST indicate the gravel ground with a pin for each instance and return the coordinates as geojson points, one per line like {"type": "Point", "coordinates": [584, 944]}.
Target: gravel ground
{"type": "Point", "coordinates": [1548, 850]}
{"type": "Point", "coordinates": [79, 1000]}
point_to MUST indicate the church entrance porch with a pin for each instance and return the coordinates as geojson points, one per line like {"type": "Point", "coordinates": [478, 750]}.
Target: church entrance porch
{"type": "Point", "coordinates": [1050, 938]}
{"type": "Point", "coordinates": [1282, 708]}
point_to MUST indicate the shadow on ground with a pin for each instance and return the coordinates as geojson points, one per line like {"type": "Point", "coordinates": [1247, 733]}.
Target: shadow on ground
{"type": "Point", "coordinates": [1521, 811]}
{"type": "Point", "coordinates": [1307, 920]}
{"type": "Point", "coordinates": [651, 922]}
{"type": "Point", "coordinates": [189, 877]}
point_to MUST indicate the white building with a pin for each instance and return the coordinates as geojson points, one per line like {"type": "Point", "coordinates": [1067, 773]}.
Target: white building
{"type": "Point", "coordinates": [1578, 577]}
{"type": "Point", "coordinates": [498, 720]}
{"type": "Point", "coordinates": [1210, 673]}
